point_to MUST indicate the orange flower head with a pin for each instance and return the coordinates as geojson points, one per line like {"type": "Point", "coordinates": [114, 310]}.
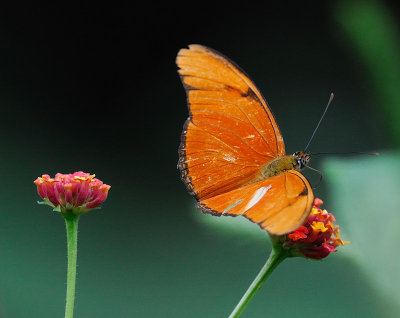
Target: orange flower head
{"type": "Point", "coordinates": [316, 238]}
{"type": "Point", "coordinates": [78, 192]}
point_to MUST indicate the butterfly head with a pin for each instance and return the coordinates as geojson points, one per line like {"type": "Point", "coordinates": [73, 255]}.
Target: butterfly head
{"type": "Point", "coordinates": [302, 159]}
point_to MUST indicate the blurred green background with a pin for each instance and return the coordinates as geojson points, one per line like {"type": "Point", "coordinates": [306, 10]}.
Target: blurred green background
{"type": "Point", "coordinates": [95, 88]}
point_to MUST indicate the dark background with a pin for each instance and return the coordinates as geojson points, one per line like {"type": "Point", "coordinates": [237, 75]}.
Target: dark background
{"type": "Point", "coordinates": [95, 88]}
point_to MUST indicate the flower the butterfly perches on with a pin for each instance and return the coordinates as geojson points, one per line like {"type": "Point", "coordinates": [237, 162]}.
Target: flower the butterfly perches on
{"type": "Point", "coordinates": [315, 239]}
{"type": "Point", "coordinates": [78, 192]}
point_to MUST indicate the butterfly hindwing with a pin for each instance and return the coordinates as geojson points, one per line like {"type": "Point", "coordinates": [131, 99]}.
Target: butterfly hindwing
{"type": "Point", "coordinates": [278, 204]}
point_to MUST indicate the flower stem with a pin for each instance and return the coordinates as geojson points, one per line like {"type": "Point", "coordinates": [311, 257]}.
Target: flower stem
{"type": "Point", "coordinates": [71, 222]}
{"type": "Point", "coordinates": [275, 258]}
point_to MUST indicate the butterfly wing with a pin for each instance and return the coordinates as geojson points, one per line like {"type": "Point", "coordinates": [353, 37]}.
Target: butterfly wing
{"type": "Point", "coordinates": [278, 205]}
{"type": "Point", "coordinates": [229, 135]}
{"type": "Point", "coordinates": [230, 132]}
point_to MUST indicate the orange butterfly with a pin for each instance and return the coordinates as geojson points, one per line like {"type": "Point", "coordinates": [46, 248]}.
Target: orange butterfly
{"type": "Point", "coordinates": [232, 156]}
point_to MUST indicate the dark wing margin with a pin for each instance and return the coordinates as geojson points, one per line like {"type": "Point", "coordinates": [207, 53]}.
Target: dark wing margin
{"type": "Point", "coordinates": [182, 165]}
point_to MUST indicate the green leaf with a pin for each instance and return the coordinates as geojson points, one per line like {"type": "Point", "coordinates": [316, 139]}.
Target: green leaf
{"type": "Point", "coordinates": [364, 197]}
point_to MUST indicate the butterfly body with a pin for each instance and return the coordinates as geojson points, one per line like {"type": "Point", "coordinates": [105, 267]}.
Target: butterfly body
{"type": "Point", "coordinates": [232, 156]}
{"type": "Point", "coordinates": [277, 166]}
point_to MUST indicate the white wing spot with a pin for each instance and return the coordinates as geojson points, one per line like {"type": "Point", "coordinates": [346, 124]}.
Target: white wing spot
{"type": "Point", "coordinates": [229, 158]}
{"type": "Point", "coordinates": [258, 195]}
{"type": "Point", "coordinates": [193, 159]}
{"type": "Point", "coordinates": [232, 206]}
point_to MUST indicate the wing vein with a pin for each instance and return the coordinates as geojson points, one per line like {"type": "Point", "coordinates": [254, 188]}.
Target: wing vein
{"type": "Point", "coordinates": [260, 98]}
{"type": "Point", "coordinates": [232, 133]}
{"type": "Point", "coordinates": [244, 113]}
{"type": "Point", "coordinates": [230, 163]}
{"type": "Point", "coordinates": [218, 113]}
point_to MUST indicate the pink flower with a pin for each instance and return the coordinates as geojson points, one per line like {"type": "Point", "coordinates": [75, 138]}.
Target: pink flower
{"type": "Point", "coordinates": [77, 193]}
{"type": "Point", "coordinates": [316, 238]}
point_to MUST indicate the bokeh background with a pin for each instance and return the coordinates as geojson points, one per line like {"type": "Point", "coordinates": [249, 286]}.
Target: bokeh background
{"type": "Point", "coordinates": [95, 88]}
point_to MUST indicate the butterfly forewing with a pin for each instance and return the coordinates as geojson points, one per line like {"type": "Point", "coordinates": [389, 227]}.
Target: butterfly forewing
{"type": "Point", "coordinates": [230, 133]}
{"type": "Point", "coordinates": [215, 85]}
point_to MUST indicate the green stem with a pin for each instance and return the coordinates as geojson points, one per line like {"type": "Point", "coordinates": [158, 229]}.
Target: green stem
{"type": "Point", "coordinates": [71, 222]}
{"type": "Point", "coordinates": [275, 258]}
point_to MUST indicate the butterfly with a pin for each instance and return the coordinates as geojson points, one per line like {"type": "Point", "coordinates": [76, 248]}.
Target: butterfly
{"type": "Point", "coordinates": [232, 155]}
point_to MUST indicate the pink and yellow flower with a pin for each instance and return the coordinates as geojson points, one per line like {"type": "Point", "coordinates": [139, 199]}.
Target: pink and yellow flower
{"type": "Point", "coordinates": [78, 192]}
{"type": "Point", "coordinates": [316, 238]}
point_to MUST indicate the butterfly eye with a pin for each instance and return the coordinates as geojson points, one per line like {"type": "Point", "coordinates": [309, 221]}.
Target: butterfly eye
{"type": "Point", "coordinates": [302, 159]}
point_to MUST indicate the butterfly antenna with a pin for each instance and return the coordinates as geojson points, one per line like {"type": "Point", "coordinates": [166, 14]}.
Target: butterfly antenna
{"type": "Point", "coordinates": [322, 117]}
{"type": "Point", "coordinates": [346, 153]}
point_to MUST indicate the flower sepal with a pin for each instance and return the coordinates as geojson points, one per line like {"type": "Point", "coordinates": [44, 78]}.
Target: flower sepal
{"type": "Point", "coordinates": [47, 202]}
{"type": "Point", "coordinates": [80, 210]}
{"type": "Point", "coordinates": [69, 209]}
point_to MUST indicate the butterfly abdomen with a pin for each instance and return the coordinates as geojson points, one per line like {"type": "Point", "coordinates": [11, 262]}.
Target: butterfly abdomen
{"type": "Point", "coordinates": [277, 166]}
